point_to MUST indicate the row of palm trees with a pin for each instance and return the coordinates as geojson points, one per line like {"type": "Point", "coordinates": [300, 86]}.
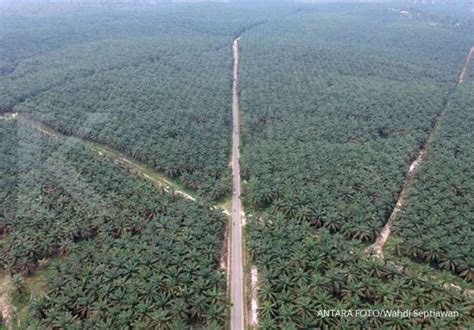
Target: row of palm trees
{"type": "Point", "coordinates": [163, 100]}
{"type": "Point", "coordinates": [135, 255]}
{"type": "Point", "coordinates": [345, 188]}
{"type": "Point", "coordinates": [303, 272]}
{"type": "Point", "coordinates": [436, 224]}
{"type": "Point", "coordinates": [334, 115]}
{"type": "Point", "coordinates": [134, 279]}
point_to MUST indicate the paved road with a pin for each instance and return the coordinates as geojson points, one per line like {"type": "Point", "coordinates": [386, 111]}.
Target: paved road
{"type": "Point", "coordinates": [237, 292]}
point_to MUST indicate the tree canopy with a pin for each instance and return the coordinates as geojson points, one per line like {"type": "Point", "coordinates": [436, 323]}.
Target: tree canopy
{"type": "Point", "coordinates": [130, 254]}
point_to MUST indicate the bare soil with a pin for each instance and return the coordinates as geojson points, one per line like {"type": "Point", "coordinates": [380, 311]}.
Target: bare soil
{"type": "Point", "coordinates": [463, 74]}
{"type": "Point", "coordinates": [225, 245]}
{"type": "Point", "coordinates": [253, 301]}
{"type": "Point", "coordinates": [385, 233]}
{"type": "Point", "coordinates": [6, 309]}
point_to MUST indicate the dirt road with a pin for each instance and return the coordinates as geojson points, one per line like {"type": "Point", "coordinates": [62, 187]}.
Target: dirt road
{"type": "Point", "coordinates": [385, 233]}
{"type": "Point", "coordinates": [236, 292]}
{"type": "Point", "coordinates": [462, 76]}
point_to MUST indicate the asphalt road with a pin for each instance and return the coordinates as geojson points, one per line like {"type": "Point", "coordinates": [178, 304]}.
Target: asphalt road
{"type": "Point", "coordinates": [237, 292]}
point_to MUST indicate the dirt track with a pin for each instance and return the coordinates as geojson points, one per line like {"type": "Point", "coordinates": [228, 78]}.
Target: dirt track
{"type": "Point", "coordinates": [464, 72]}
{"type": "Point", "coordinates": [123, 160]}
{"type": "Point", "coordinates": [385, 233]}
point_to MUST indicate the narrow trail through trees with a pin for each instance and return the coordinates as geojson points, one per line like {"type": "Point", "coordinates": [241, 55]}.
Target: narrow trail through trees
{"type": "Point", "coordinates": [385, 233]}
{"type": "Point", "coordinates": [132, 166]}
{"type": "Point", "coordinates": [382, 238]}
{"type": "Point", "coordinates": [126, 162]}
{"type": "Point", "coordinates": [463, 74]}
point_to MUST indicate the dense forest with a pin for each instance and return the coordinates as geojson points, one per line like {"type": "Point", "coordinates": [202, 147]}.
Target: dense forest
{"type": "Point", "coordinates": [334, 113]}
{"type": "Point", "coordinates": [303, 271]}
{"type": "Point", "coordinates": [333, 116]}
{"type": "Point", "coordinates": [152, 82]}
{"type": "Point", "coordinates": [436, 225]}
{"type": "Point", "coordinates": [130, 254]}
{"type": "Point", "coordinates": [336, 101]}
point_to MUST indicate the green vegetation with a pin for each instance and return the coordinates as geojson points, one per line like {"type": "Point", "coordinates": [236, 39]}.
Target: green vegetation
{"type": "Point", "coordinates": [135, 255]}
{"type": "Point", "coordinates": [335, 108]}
{"type": "Point", "coordinates": [152, 82]}
{"type": "Point", "coordinates": [303, 271]}
{"type": "Point", "coordinates": [436, 223]}
{"type": "Point", "coordinates": [171, 111]}
{"type": "Point", "coordinates": [336, 101]}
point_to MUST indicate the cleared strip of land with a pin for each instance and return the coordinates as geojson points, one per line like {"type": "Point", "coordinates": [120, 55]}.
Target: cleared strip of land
{"type": "Point", "coordinates": [385, 233]}
{"type": "Point", "coordinates": [132, 166]}
{"type": "Point", "coordinates": [463, 74]}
